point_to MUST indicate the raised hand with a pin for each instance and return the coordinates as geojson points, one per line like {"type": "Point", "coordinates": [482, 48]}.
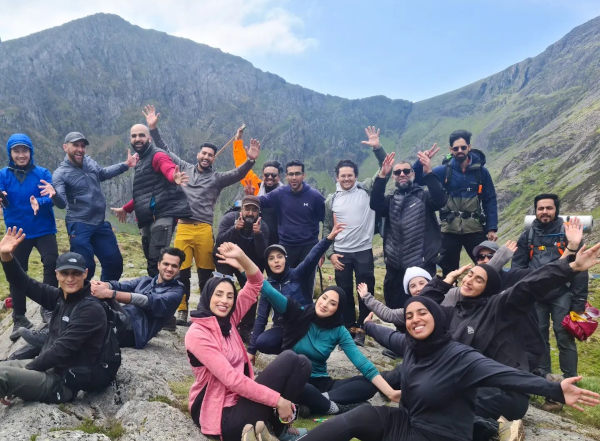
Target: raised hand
{"type": "Point", "coordinates": [179, 177]}
{"type": "Point", "coordinates": [369, 317]}
{"type": "Point", "coordinates": [387, 164]}
{"type": "Point", "coordinates": [239, 222]}
{"type": "Point", "coordinates": [239, 132]}
{"type": "Point", "coordinates": [576, 396]}
{"type": "Point", "coordinates": [151, 116]}
{"type": "Point", "coordinates": [336, 262]}
{"type": "Point", "coordinates": [511, 245]}
{"type": "Point", "coordinates": [10, 242]}
{"type": "Point", "coordinates": [35, 205]}
{"type": "Point", "coordinates": [230, 251]}
{"type": "Point", "coordinates": [573, 233]}
{"type": "Point", "coordinates": [248, 187]}
{"type": "Point", "coordinates": [492, 235]}
{"type": "Point", "coordinates": [46, 189]}
{"type": "Point", "coordinates": [586, 258]}
{"type": "Point", "coordinates": [453, 275]}
{"type": "Point", "coordinates": [432, 151]}
{"type": "Point", "coordinates": [120, 213]}
{"type": "Point", "coordinates": [254, 149]}
{"type": "Point", "coordinates": [425, 161]}
{"type": "Point", "coordinates": [363, 290]}
{"type": "Point", "coordinates": [256, 226]}
{"type": "Point", "coordinates": [132, 160]}
{"type": "Point", "coordinates": [372, 133]}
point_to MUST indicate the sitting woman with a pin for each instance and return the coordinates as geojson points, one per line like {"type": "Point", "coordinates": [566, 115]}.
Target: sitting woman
{"type": "Point", "coordinates": [315, 331]}
{"type": "Point", "coordinates": [439, 380]}
{"type": "Point", "coordinates": [225, 397]}
{"type": "Point", "coordinates": [292, 283]}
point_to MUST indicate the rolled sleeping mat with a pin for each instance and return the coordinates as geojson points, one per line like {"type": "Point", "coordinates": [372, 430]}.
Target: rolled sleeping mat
{"type": "Point", "coordinates": [586, 221]}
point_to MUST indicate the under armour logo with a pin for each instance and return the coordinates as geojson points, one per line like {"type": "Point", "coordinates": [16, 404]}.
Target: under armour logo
{"type": "Point", "coordinates": [306, 204]}
{"type": "Point", "coordinates": [468, 188]}
{"type": "Point", "coordinates": [470, 330]}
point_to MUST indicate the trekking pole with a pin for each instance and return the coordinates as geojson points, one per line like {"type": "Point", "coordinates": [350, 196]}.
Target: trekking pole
{"type": "Point", "coordinates": [228, 142]}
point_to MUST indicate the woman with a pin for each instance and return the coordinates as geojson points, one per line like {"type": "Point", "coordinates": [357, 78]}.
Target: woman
{"type": "Point", "coordinates": [315, 331]}
{"type": "Point", "coordinates": [291, 282]}
{"type": "Point", "coordinates": [439, 378]}
{"type": "Point", "coordinates": [224, 397]}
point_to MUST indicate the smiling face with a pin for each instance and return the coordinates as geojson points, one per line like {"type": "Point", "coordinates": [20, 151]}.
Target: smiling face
{"type": "Point", "coordinates": [419, 321]}
{"type": "Point", "coordinates": [139, 137]}
{"type": "Point", "coordinates": [327, 304]}
{"type": "Point", "coordinates": [222, 299]}
{"type": "Point", "coordinates": [416, 285]}
{"type": "Point", "coordinates": [205, 157]}
{"type": "Point", "coordinates": [460, 149]}
{"type": "Point", "coordinates": [271, 177]}
{"type": "Point", "coordinates": [295, 177]}
{"type": "Point", "coordinates": [75, 152]}
{"type": "Point", "coordinates": [545, 210]}
{"type": "Point", "coordinates": [474, 282]}
{"type": "Point", "coordinates": [276, 262]}
{"type": "Point", "coordinates": [346, 177]}
{"type": "Point", "coordinates": [70, 280]}
{"type": "Point", "coordinates": [168, 268]}
{"type": "Point", "coordinates": [404, 175]}
{"type": "Point", "coordinates": [20, 155]}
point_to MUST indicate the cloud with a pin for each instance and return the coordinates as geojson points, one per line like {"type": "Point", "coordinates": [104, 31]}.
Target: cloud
{"type": "Point", "coordinates": [241, 27]}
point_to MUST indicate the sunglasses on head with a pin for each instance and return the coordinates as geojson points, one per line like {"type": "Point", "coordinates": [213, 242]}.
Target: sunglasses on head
{"type": "Point", "coordinates": [460, 147]}
{"type": "Point", "coordinates": [484, 256]}
{"type": "Point", "coordinates": [224, 276]}
{"type": "Point", "coordinates": [271, 175]}
{"type": "Point", "coordinates": [406, 171]}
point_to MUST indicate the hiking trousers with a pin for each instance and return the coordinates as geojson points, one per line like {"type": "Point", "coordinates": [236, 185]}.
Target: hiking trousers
{"type": "Point", "coordinates": [29, 385]}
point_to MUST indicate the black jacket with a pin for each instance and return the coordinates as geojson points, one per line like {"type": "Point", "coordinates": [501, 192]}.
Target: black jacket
{"type": "Point", "coordinates": [78, 324]}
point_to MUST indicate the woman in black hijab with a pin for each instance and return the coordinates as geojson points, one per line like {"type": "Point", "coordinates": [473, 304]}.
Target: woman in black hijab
{"type": "Point", "coordinates": [439, 379]}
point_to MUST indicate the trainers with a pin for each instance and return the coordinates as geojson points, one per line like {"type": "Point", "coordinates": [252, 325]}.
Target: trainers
{"type": "Point", "coordinates": [182, 318]}
{"type": "Point", "coordinates": [359, 339]}
{"type": "Point", "coordinates": [20, 321]}
{"type": "Point", "coordinates": [343, 408]}
{"type": "Point", "coordinates": [35, 338]}
{"type": "Point", "coordinates": [291, 433]}
{"type": "Point", "coordinates": [510, 430]}
{"type": "Point", "coordinates": [170, 324]}
{"type": "Point", "coordinates": [248, 433]}
{"type": "Point", "coordinates": [552, 406]}
{"type": "Point", "coordinates": [262, 432]}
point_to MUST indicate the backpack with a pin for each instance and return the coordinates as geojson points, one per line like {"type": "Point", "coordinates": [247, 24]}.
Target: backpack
{"type": "Point", "coordinates": [103, 372]}
{"type": "Point", "coordinates": [561, 243]}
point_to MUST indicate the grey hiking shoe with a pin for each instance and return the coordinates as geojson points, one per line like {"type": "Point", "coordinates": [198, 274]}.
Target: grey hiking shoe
{"type": "Point", "coordinates": [35, 338]}
{"type": "Point", "coordinates": [182, 318]}
{"type": "Point", "coordinates": [19, 321]}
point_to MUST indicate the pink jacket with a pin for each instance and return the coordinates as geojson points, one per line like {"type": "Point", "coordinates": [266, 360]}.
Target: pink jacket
{"type": "Point", "coordinates": [205, 341]}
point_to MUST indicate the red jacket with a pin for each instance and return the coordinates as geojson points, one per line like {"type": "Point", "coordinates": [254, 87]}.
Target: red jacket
{"type": "Point", "coordinates": [224, 381]}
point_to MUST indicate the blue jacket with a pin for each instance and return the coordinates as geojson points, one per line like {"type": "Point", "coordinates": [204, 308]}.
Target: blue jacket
{"type": "Point", "coordinates": [79, 189]}
{"type": "Point", "coordinates": [20, 184]}
{"type": "Point", "coordinates": [163, 300]}
{"type": "Point", "coordinates": [298, 214]}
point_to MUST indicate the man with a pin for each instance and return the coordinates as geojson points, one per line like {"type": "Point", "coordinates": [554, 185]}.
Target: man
{"type": "Point", "coordinates": [545, 241]}
{"type": "Point", "coordinates": [29, 194]}
{"type": "Point", "coordinates": [148, 302]}
{"type": "Point", "coordinates": [411, 231]}
{"type": "Point", "coordinates": [271, 180]}
{"type": "Point", "coordinates": [158, 200]}
{"type": "Point", "coordinates": [352, 250]}
{"type": "Point", "coordinates": [77, 183]}
{"type": "Point", "coordinates": [471, 213]}
{"type": "Point", "coordinates": [77, 329]}
{"type": "Point", "coordinates": [194, 234]}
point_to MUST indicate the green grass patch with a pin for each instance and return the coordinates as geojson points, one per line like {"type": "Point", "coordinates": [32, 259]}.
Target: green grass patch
{"type": "Point", "coordinates": [113, 429]}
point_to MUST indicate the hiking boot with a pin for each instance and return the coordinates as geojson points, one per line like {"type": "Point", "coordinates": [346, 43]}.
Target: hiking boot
{"type": "Point", "coordinates": [182, 318]}
{"type": "Point", "coordinates": [262, 433]}
{"type": "Point", "coordinates": [552, 406]}
{"type": "Point", "coordinates": [291, 433]}
{"type": "Point", "coordinates": [27, 352]}
{"type": "Point", "coordinates": [170, 324]}
{"type": "Point", "coordinates": [390, 353]}
{"type": "Point", "coordinates": [35, 338]}
{"type": "Point", "coordinates": [510, 430]}
{"type": "Point", "coordinates": [19, 321]}
{"type": "Point", "coordinates": [46, 315]}
{"type": "Point", "coordinates": [248, 433]}
{"type": "Point", "coordinates": [359, 339]}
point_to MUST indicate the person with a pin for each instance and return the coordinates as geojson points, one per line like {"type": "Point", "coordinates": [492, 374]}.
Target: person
{"type": "Point", "coordinates": [225, 396]}
{"type": "Point", "coordinates": [471, 212]}
{"type": "Point", "coordinates": [77, 183]}
{"type": "Point", "coordinates": [300, 208]}
{"type": "Point", "coordinates": [315, 330]}
{"type": "Point", "coordinates": [544, 241]}
{"type": "Point", "coordinates": [411, 231]}
{"type": "Point", "coordinates": [439, 381]}
{"type": "Point", "coordinates": [194, 234]}
{"type": "Point", "coordinates": [29, 194]}
{"type": "Point", "coordinates": [77, 329]}
{"type": "Point", "coordinates": [293, 283]}
{"type": "Point", "coordinates": [352, 251]}
{"type": "Point", "coordinates": [158, 200]}
{"type": "Point", "coordinates": [148, 302]}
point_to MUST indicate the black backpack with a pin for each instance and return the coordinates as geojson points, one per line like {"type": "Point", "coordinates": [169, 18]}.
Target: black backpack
{"type": "Point", "coordinates": [98, 377]}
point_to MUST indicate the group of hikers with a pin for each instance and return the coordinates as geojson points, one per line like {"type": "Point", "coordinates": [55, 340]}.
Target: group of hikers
{"type": "Point", "coordinates": [471, 351]}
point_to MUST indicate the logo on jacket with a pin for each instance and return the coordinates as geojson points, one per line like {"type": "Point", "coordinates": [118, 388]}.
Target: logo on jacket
{"type": "Point", "coordinates": [470, 330]}
{"type": "Point", "coordinates": [306, 204]}
{"type": "Point", "coordinates": [65, 319]}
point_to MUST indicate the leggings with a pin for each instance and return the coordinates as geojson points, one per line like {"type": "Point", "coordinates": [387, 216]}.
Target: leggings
{"type": "Point", "coordinates": [350, 390]}
{"type": "Point", "coordinates": [287, 374]}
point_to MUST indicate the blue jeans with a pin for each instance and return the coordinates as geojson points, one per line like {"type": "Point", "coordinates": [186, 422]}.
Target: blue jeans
{"type": "Point", "coordinates": [89, 240]}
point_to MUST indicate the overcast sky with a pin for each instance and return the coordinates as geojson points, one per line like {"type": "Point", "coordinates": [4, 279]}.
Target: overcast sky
{"type": "Point", "coordinates": [402, 49]}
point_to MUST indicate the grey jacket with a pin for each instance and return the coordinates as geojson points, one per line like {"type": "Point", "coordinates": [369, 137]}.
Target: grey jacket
{"type": "Point", "coordinates": [78, 189]}
{"type": "Point", "coordinates": [204, 187]}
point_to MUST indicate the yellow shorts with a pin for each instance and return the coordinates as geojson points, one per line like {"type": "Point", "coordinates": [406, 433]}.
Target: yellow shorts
{"type": "Point", "coordinates": [196, 241]}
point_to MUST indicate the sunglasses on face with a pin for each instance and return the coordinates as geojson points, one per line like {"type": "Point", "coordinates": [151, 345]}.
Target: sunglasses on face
{"type": "Point", "coordinates": [271, 175]}
{"type": "Point", "coordinates": [460, 147]}
{"type": "Point", "coordinates": [484, 256]}
{"type": "Point", "coordinates": [224, 276]}
{"type": "Point", "coordinates": [406, 171]}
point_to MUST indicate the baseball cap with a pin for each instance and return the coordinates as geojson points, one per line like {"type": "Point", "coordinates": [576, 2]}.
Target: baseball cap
{"type": "Point", "coordinates": [70, 260]}
{"type": "Point", "coordinates": [251, 200]}
{"type": "Point", "coordinates": [274, 247]}
{"type": "Point", "coordinates": [490, 245]}
{"type": "Point", "coordinates": [75, 136]}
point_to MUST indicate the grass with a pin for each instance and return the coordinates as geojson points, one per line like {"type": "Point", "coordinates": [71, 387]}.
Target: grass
{"type": "Point", "coordinates": [113, 429]}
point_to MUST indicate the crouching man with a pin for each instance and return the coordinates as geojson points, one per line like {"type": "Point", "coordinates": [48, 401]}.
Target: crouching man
{"type": "Point", "coordinates": [76, 334]}
{"type": "Point", "coordinates": [148, 302]}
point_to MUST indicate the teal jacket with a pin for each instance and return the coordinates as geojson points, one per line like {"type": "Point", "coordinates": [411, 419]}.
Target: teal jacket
{"type": "Point", "coordinates": [318, 343]}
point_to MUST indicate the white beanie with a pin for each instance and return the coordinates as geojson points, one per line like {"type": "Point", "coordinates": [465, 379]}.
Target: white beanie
{"type": "Point", "coordinates": [411, 273]}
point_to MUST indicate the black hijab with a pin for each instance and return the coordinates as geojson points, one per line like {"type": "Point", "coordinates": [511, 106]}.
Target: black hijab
{"type": "Point", "coordinates": [297, 320]}
{"type": "Point", "coordinates": [440, 335]}
{"type": "Point", "coordinates": [204, 304]}
{"type": "Point", "coordinates": [494, 282]}
{"type": "Point", "coordinates": [282, 276]}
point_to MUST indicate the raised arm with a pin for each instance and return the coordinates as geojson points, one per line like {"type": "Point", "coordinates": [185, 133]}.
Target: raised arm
{"type": "Point", "coordinates": [395, 316]}
{"type": "Point", "coordinates": [232, 176]}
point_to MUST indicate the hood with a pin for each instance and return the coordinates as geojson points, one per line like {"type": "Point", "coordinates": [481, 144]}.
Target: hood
{"type": "Point", "coordinates": [477, 157]}
{"type": "Point", "coordinates": [18, 139]}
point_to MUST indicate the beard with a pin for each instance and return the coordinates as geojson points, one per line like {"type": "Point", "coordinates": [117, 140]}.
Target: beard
{"type": "Point", "coordinates": [460, 158]}
{"type": "Point", "coordinates": [404, 185]}
{"type": "Point", "coordinates": [140, 149]}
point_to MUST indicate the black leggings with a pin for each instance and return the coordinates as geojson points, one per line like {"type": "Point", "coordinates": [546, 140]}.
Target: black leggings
{"type": "Point", "coordinates": [287, 374]}
{"type": "Point", "coordinates": [350, 390]}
